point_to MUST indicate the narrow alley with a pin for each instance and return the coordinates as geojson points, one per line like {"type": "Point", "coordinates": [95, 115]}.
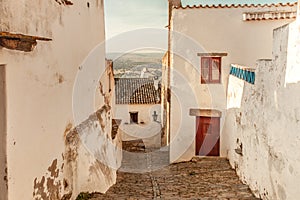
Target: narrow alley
{"type": "Point", "coordinates": [149, 99]}
{"type": "Point", "coordinates": [200, 178]}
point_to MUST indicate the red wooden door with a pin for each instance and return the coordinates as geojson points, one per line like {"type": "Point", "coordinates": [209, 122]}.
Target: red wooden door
{"type": "Point", "coordinates": [208, 136]}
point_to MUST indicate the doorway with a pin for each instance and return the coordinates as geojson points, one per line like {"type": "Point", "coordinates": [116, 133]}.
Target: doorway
{"type": "Point", "coordinates": [207, 136]}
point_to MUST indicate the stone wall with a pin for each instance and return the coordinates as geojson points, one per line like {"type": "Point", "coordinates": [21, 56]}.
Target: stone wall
{"type": "Point", "coordinates": [264, 132]}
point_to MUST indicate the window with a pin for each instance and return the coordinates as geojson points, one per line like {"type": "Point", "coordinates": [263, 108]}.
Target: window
{"type": "Point", "coordinates": [133, 117]}
{"type": "Point", "coordinates": [210, 69]}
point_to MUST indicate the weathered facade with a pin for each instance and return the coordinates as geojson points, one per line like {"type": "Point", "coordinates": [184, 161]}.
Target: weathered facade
{"type": "Point", "coordinates": [221, 35]}
{"type": "Point", "coordinates": [266, 125]}
{"type": "Point", "coordinates": [48, 148]}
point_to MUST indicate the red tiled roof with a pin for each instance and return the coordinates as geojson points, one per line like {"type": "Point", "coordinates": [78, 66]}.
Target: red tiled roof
{"type": "Point", "coordinates": [238, 5]}
{"type": "Point", "coordinates": [136, 91]}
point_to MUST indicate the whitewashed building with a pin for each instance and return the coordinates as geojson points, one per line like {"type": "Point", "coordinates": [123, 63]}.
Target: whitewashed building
{"type": "Point", "coordinates": [204, 42]}
{"type": "Point", "coordinates": [253, 105]}
{"type": "Point", "coordinates": [46, 150]}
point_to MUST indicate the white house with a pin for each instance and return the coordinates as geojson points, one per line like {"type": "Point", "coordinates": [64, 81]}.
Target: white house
{"type": "Point", "coordinates": [48, 88]}
{"type": "Point", "coordinates": [204, 42]}
{"type": "Point", "coordinates": [138, 107]}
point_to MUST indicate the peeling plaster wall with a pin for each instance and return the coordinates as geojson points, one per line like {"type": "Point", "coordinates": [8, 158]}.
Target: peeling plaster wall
{"type": "Point", "coordinates": [39, 91]}
{"type": "Point", "coordinates": [3, 135]}
{"type": "Point", "coordinates": [92, 156]}
{"type": "Point", "coordinates": [217, 30]}
{"type": "Point", "coordinates": [266, 127]}
{"type": "Point", "coordinates": [165, 121]}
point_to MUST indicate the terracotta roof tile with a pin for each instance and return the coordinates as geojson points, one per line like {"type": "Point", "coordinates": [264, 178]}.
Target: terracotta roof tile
{"type": "Point", "coordinates": [136, 91]}
{"type": "Point", "coordinates": [238, 5]}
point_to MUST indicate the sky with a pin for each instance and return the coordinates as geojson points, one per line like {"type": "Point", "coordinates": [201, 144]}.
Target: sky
{"type": "Point", "coordinates": [125, 15]}
{"type": "Point", "coordinates": [122, 16]}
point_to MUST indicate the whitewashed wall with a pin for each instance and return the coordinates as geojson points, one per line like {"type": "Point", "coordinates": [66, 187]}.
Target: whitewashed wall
{"type": "Point", "coordinates": [145, 112]}
{"type": "Point", "coordinates": [149, 131]}
{"type": "Point", "coordinates": [92, 155]}
{"type": "Point", "coordinates": [267, 125]}
{"type": "Point", "coordinates": [212, 30]}
{"type": "Point", "coordinates": [39, 96]}
{"type": "Point", "coordinates": [3, 135]}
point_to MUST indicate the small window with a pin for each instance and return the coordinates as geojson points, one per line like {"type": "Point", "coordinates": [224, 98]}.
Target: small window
{"type": "Point", "coordinates": [210, 69]}
{"type": "Point", "coordinates": [134, 117]}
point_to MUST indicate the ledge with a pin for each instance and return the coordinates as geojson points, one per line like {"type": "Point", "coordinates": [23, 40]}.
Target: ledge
{"type": "Point", "coordinates": [219, 6]}
{"type": "Point", "coordinates": [19, 42]}
{"type": "Point", "coordinates": [252, 69]}
{"type": "Point", "coordinates": [64, 2]}
{"type": "Point", "coordinates": [212, 54]}
{"type": "Point", "coordinates": [264, 59]}
{"type": "Point", "coordinates": [205, 112]}
{"type": "Point", "coordinates": [252, 16]}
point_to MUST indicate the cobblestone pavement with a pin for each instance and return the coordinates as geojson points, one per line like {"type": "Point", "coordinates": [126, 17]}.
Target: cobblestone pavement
{"type": "Point", "coordinates": [202, 178]}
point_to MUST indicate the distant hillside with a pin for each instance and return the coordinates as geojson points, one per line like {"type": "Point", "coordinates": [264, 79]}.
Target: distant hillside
{"type": "Point", "coordinates": [131, 65]}
{"type": "Point", "coordinates": [136, 61]}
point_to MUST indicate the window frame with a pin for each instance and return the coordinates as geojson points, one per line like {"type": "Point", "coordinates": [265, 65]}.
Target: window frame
{"type": "Point", "coordinates": [210, 80]}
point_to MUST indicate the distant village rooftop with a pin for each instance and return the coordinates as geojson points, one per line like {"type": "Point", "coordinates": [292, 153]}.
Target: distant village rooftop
{"type": "Point", "coordinates": [137, 91]}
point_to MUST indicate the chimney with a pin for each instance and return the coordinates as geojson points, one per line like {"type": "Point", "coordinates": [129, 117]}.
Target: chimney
{"type": "Point", "coordinates": [175, 3]}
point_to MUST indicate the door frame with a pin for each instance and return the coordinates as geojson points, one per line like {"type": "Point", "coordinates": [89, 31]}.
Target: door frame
{"type": "Point", "coordinates": [211, 140]}
{"type": "Point", "coordinates": [210, 113]}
